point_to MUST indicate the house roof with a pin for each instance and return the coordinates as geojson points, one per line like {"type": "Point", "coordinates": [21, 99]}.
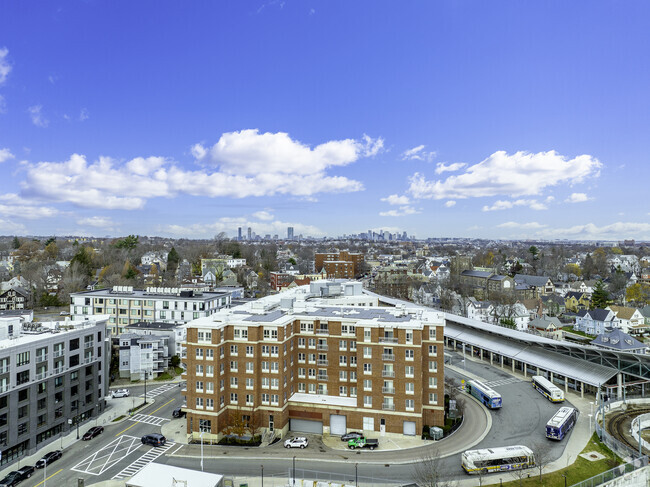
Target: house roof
{"type": "Point", "coordinates": [472, 273]}
{"type": "Point", "coordinates": [544, 322]}
{"type": "Point", "coordinates": [599, 314]}
{"type": "Point", "coordinates": [574, 294]}
{"type": "Point", "coordinates": [498, 277]}
{"type": "Point", "coordinates": [623, 312]}
{"type": "Point", "coordinates": [537, 281]}
{"type": "Point", "coordinates": [618, 340]}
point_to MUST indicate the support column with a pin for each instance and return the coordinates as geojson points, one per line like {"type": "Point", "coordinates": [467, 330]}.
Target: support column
{"type": "Point", "coordinates": [491, 357]}
{"type": "Point", "coordinates": [513, 365]}
{"type": "Point", "coordinates": [619, 387]}
{"type": "Point", "coordinates": [551, 373]}
{"type": "Point", "coordinates": [582, 389]}
{"type": "Point", "coordinates": [537, 370]}
{"type": "Point", "coordinates": [525, 369]}
{"type": "Point", "coordinates": [501, 360]}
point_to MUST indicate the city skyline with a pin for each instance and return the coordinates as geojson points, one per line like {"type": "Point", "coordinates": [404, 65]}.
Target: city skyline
{"type": "Point", "coordinates": [329, 118]}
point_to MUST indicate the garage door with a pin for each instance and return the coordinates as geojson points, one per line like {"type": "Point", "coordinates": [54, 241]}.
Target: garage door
{"type": "Point", "coordinates": [409, 428]}
{"type": "Point", "coordinates": [338, 425]}
{"type": "Point", "coordinates": [304, 426]}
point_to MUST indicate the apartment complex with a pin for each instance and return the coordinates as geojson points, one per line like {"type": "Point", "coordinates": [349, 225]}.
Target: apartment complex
{"type": "Point", "coordinates": [125, 305]}
{"type": "Point", "coordinates": [339, 265]}
{"type": "Point", "coordinates": [52, 377]}
{"type": "Point", "coordinates": [143, 356]}
{"type": "Point", "coordinates": [298, 361]}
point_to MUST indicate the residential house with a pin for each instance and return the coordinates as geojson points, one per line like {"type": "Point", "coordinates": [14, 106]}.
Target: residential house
{"type": "Point", "coordinates": [576, 301]}
{"type": "Point", "coordinates": [15, 297]}
{"type": "Point", "coordinates": [143, 356]}
{"type": "Point", "coordinates": [542, 285]}
{"type": "Point", "coordinates": [631, 319]}
{"type": "Point", "coordinates": [554, 305]}
{"type": "Point", "coordinates": [620, 341]}
{"type": "Point", "coordinates": [596, 321]}
{"type": "Point", "coordinates": [548, 326]}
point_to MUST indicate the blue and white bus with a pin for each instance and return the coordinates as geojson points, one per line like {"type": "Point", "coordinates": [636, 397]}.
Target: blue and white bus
{"type": "Point", "coordinates": [560, 424]}
{"type": "Point", "coordinates": [548, 389]}
{"type": "Point", "coordinates": [502, 459]}
{"type": "Point", "coordinates": [483, 393]}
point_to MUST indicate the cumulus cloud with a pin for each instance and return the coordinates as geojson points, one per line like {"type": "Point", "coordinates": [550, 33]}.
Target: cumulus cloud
{"type": "Point", "coordinates": [13, 205]}
{"type": "Point", "coordinates": [394, 199]}
{"type": "Point", "coordinates": [83, 114]}
{"type": "Point", "coordinates": [198, 151]}
{"type": "Point", "coordinates": [263, 215]}
{"type": "Point", "coordinates": [613, 231]}
{"type": "Point", "coordinates": [519, 174]}
{"type": "Point", "coordinates": [577, 198]}
{"type": "Point", "coordinates": [9, 227]}
{"type": "Point", "coordinates": [521, 226]}
{"type": "Point", "coordinates": [442, 167]}
{"type": "Point", "coordinates": [229, 224]}
{"type": "Point", "coordinates": [96, 221]}
{"type": "Point", "coordinates": [36, 114]}
{"type": "Point", "coordinates": [506, 205]}
{"type": "Point", "coordinates": [5, 155]}
{"type": "Point", "coordinates": [5, 67]}
{"type": "Point", "coordinates": [402, 211]}
{"type": "Point", "coordinates": [450, 203]}
{"type": "Point", "coordinates": [418, 154]}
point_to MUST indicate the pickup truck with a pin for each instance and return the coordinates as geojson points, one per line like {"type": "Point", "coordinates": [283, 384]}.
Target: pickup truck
{"type": "Point", "coordinates": [363, 442]}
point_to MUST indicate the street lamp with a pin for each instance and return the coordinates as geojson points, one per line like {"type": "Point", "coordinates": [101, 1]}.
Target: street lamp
{"type": "Point", "coordinates": [294, 471]}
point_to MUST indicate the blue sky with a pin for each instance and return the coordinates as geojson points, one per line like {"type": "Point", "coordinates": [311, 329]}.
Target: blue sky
{"type": "Point", "coordinates": [454, 118]}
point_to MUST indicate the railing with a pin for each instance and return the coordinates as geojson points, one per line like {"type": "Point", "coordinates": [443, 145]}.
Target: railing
{"type": "Point", "coordinates": [388, 390]}
{"type": "Point", "coordinates": [58, 353]}
{"type": "Point", "coordinates": [322, 361]}
{"type": "Point", "coordinates": [322, 377]}
{"type": "Point", "coordinates": [322, 347]}
{"type": "Point", "coordinates": [40, 376]}
{"type": "Point", "coordinates": [5, 369]}
{"type": "Point", "coordinates": [41, 358]}
{"type": "Point", "coordinates": [88, 360]}
{"type": "Point", "coordinates": [614, 473]}
{"type": "Point", "coordinates": [89, 345]}
{"type": "Point", "coordinates": [388, 407]}
{"type": "Point", "coordinates": [387, 340]}
{"type": "Point", "coordinates": [58, 370]}
{"type": "Point", "coordinates": [4, 388]}
{"type": "Point", "coordinates": [322, 332]}
{"type": "Point", "coordinates": [388, 356]}
{"type": "Point", "coordinates": [388, 373]}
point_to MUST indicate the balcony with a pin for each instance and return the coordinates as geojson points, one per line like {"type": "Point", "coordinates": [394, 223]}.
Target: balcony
{"type": "Point", "coordinates": [322, 332]}
{"type": "Point", "coordinates": [89, 345]}
{"type": "Point", "coordinates": [4, 388]}
{"type": "Point", "coordinates": [5, 370]}
{"type": "Point", "coordinates": [388, 356]}
{"type": "Point", "coordinates": [58, 370]}
{"type": "Point", "coordinates": [321, 346]}
{"type": "Point", "coordinates": [322, 377]}
{"type": "Point", "coordinates": [388, 373]}
{"type": "Point", "coordinates": [40, 376]}
{"type": "Point", "coordinates": [388, 407]}
{"type": "Point", "coordinates": [388, 390]}
{"type": "Point", "coordinates": [88, 360]}
{"type": "Point", "coordinates": [41, 358]}
{"type": "Point", "coordinates": [387, 340]}
{"type": "Point", "coordinates": [58, 353]}
{"type": "Point", "coordinates": [322, 361]}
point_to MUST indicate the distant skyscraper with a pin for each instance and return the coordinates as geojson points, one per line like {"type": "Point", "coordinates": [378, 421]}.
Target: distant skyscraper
{"type": "Point", "coordinates": [239, 233]}
{"type": "Point", "coordinates": [290, 233]}
{"type": "Point", "coordinates": [250, 233]}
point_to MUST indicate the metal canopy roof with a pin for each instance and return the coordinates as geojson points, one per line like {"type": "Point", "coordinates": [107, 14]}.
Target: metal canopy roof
{"type": "Point", "coordinates": [533, 355]}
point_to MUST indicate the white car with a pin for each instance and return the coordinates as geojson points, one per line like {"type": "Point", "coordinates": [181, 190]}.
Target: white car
{"type": "Point", "coordinates": [297, 442]}
{"type": "Point", "coordinates": [120, 393]}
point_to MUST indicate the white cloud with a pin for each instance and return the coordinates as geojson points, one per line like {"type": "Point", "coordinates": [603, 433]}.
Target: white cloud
{"type": "Point", "coordinates": [83, 114]}
{"type": "Point", "coordinates": [28, 212]}
{"type": "Point", "coordinates": [9, 227]}
{"type": "Point", "coordinates": [450, 203]}
{"type": "Point", "coordinates": [402, 211]}
{"type": "Point", "coordinates": [418, 153]}
{"type": "Point", "coordinates": [442, 167]}
{"type": "Point", "coordinates": [506, 205]}
{"type": "Point", "coordinates": [230, 224]}
{"type": "Point", "coordinates": [514, 175]}
{"type": "Point", "coordinates": [613, 231]}
{"type": "Point", "coordinates": [395, 199]}
{"type": "Point", "coordinates": [36, 114]}
{"type": "Point", "coordinates": [5, 67]}
{"type": "Point", "coordinates": [521, 226]}
{"type": "Point", "coordinates": [263, 215]}
{"type": "Point", "coordinates": [198, 151]}
{"type": "Point", "coordinates": [3, 105]}
{"type": "Point", "coordinates": [577, 198]}
{"type": "Point", "coordinates": [5, 155]}
{"type": "Point", "coordinates": [96, 221]}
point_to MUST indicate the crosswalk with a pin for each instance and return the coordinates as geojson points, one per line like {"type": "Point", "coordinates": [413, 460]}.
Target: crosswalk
{"type": "Point", "coordinates": [159, 390]}
{"type": "Point", "coordinates": [143, 461]}
{"type": "Point", "coordinates": [147, 419]}
{"type": "Point", "coordinates": [502, 382]}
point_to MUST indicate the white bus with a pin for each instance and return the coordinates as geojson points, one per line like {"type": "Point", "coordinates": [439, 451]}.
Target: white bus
{"type": "Point", "coordinates": [500, 459]}
{"type": "Point", "coordinates": [548, 389]}
{"type": "Point", "coordinates": [560, 424]}
{"type": "Point", "coordinates": [483, 393]}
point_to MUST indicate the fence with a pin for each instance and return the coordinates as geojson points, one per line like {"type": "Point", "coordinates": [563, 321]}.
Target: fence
{"type": "Point", "coordinates": [304, 477]}
{"type": "Point", "coordinates": [614, 473]}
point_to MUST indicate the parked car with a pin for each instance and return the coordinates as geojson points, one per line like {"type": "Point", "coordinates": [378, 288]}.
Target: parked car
{"type": "Point", "coordinates": [179, 413]}
{"type": "Point", "coordinates": [363, 442]}
{"type": "Point", "coordinates": [351, 436]}
{"type": "Point", "coordinates": [297, 442]}
{"type": "Point", "coordinates": [120, 393]}
{"type": "Point", "coordinates": [92, 432]}
{"type": "Point", "coordinates": [154, 439]}
{"type": "Point", "coordinates": [11, 479]}
{"type": "Point", "coordinates": [49, 458]}
{"type": "Point", "coordinates": [64, 313]}
{"type": "Point", "coordinates": [26, 471]}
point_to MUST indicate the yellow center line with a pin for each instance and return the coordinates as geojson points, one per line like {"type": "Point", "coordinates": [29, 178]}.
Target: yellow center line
{"type": "Point", "coordinates": [126, 429]}
{"type": "Point", "coordinates": [43, 481]}
{"type": "Point", "coordinates": [162, 406]}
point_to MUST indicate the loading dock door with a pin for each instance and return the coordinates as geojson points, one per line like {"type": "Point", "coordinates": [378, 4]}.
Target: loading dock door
{"type": "Point", "coordinates": [338, 425]}
{"type": "Point", "coordinates": [304, 426]}
{"type": "Point", "coordinates": [409, 428]}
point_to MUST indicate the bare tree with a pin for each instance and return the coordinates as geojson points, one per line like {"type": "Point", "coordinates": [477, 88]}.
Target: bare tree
{"type": "Point", "coordinates": [429, 471]}
{"type": "Point", "coordinates": [542, 451]}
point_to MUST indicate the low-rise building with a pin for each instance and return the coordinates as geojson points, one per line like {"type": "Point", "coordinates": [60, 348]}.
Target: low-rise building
{"type": "Point", "coordinates": [143, 356]}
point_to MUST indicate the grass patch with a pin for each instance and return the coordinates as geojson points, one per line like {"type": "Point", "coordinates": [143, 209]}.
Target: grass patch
{"type": "Point", "coordinates": [167, 376]}
{"type": "Point", "coordinates": [118, 418]}
{"type": "Point", "coordinates": [577, 332]}
{"type": "Point", "coordinates": [580, 470]}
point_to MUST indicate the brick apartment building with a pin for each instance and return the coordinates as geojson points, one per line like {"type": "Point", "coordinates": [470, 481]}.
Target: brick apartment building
{"type": "Point", "coordinates": [299, 362]}
{"type": "Point", "coordinates": [339, 265]}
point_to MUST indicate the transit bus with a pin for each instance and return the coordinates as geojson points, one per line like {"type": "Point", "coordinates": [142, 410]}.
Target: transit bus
{"type": "Point", "coordinates": [548, 389]}
{"type": "Point", "coordinates": [561, 422]}
{"type": "Point", "coordinates": [483, 393]}
{"type": "Point", "coordinates": [500, 459]}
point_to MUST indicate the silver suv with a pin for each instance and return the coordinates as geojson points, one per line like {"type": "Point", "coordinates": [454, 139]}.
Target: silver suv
{"type": "Point", "coordinates": [120, 393]}
{"type": "Point", "coordinates": [297, 442]}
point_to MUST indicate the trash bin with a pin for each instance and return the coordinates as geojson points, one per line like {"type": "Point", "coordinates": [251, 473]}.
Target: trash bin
{"type": "Point", "coordinates": [435, 432]}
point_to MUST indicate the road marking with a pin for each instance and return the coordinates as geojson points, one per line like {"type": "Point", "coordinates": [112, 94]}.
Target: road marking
{"type": "Point", "coordinates": [43, 481]}
{"type": "Point", "coordinates": [502, 382]}
{"type": "Point", "coordinates": [126, 429]}
{"type": "Point", "coordinates": [155, 410]}
{"type": "Point", "coordinates": [148, 419]}
{"type": "Point", "coordinates": [175, 451]}
{"type": "Point", "coordinates": [102, 460]}
{"type": "Point", "coordinates": [143, 461]}
{"type": "Point", "coordinates": [159, 390]}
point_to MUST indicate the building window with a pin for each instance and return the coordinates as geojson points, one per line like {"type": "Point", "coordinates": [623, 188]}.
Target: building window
{"type": "Point", "coordinates": [233, 398]}
{"type": "Point", "coordinates": [367, 385]}
{"type": "Point", "coordinates": [433, 382]}
{"type": "Point", "coordinates": [409, 354]}
{"type": "Point", "coordinates": [409, 371]}
{"type": "Point", "coordinates": [367, 369]}
{"type": "Point", "coordinates": [199, 369]}
{"type": "Point", "coordinates": [410, 389]}
{"type": "Point", "coordinates": [433, 366]}
{"type": "Point", "coordinates": [433, 350]}
{"type": "Point", "coordinates": [366, 334]}
{"type": "Point", "coordinates": [199, 353]}
{"type": "Point", "coordinates": [410, 404]}
{"type": "Point", "coordinates": [367, 401]}
{"type": "Point", "coordinates": [205, 425]}
{"type": "Point", "coordinates": [343, 376]}
{"type": "Point", "coordinates": [433, 398]}
{"type": "Point", "coordinates": [233, 350]}
{"type": "Point", "coordinates": [233, 366]}
{"type": "Point", "coordinates": [432, 333]}
{"type": "Point", "coordinates": [343, 360]}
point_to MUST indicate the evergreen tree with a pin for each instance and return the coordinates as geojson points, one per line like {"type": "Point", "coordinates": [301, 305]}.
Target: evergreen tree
{"type": "Point", "coordinates": [600, 296]}
{"type": "Point", "coordinates": [16, 243]}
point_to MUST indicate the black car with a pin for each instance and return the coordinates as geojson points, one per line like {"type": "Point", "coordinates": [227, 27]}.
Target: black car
{"type": "Point", "coordinates": [92, 432]}
{"type": "Point", "coordinates": [26, 471]}
{"type": "Point", "coordinates": [154, 439]}
{"type": "Point", "coordinates": [352, 435]}
{"type": "Point", "coordinates": [11, 479]}
{"type": "Point", "coordinates": [49, 458]}
{"type": "Point", "coordinates": [178, 413]}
